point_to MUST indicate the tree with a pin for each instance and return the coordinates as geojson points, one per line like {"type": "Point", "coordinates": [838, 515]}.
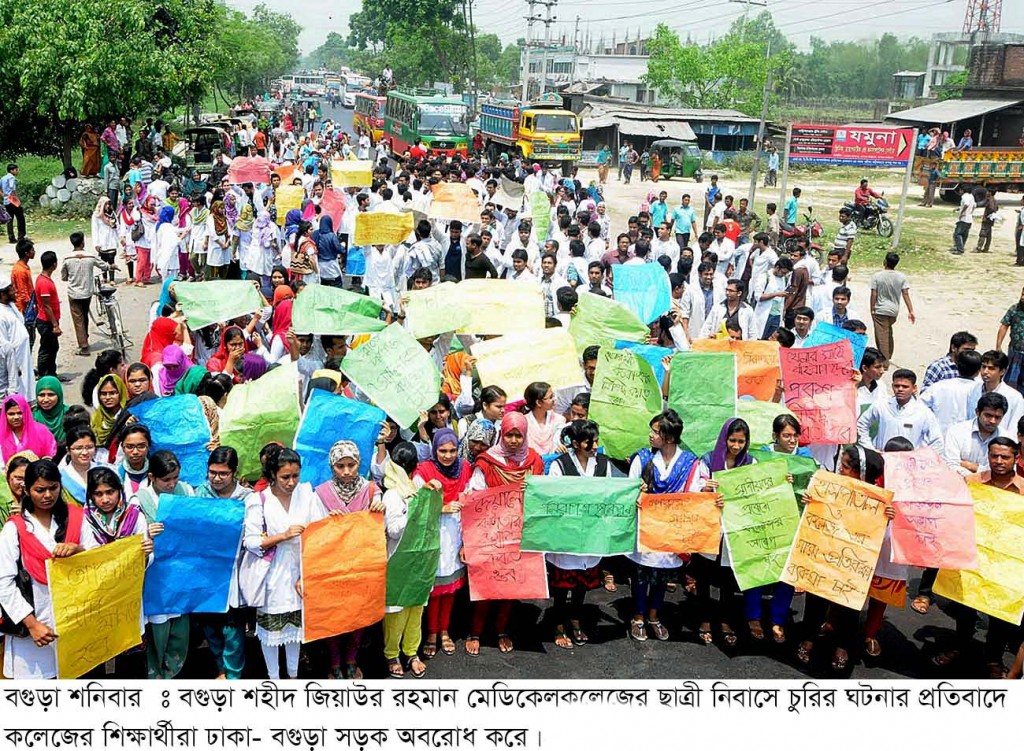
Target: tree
{"type": "Point", "coordinates": [129, 57]}
{"type": "Point", "coordinates": [953, 88]}
{"type": "Point", "coordinates": [284, 28]}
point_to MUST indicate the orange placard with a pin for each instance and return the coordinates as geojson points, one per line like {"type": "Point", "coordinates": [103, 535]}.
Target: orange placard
{"type": "Point", "coordinates": [680, 523]}
{"type": "Point", "coordinates": [333, 204]}
{"type": "Point", "coordinates": [757, 365]}
{"type": "Point", "coordinates": [454, 201]}
{"type": "Point", "coordinates": [344, 574]}
{"type": "Point", "coordinates": [288, 172]}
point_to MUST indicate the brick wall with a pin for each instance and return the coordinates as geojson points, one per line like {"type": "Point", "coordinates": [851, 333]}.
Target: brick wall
{"type": "Point", "coordinates": [1013, 64]}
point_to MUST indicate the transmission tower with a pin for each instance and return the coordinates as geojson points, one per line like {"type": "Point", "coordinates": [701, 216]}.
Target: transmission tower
{"type": "Point", "coordinates": [983, 16]}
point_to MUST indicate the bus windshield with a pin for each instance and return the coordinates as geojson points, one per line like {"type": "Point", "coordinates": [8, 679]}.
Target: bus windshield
{"type": "Point", "coordinates": [443, 119]}
{"type": "Point", "coordinates": [555, 124]}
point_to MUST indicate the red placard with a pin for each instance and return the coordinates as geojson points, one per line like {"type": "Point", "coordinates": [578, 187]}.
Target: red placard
{"type": "Point", "coordinates": [820, 391]}
{"type": "Point", "coordinates": [854, 145]}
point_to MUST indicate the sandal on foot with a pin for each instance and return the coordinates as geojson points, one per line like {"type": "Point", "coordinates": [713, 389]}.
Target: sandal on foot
{"type": "Point", "coordinates": [871, 647]}
{"type": "Point", "coordinates": [473, 646]}
{"type": "Point", "coordinates": [636, 630]}
{"type": "Point", "coordinates": [921, 604]}
{"type": "Point", "coordinates": [705, 636]}
{"type": "Point", "coordinates": [779, 634]}
{"type": "Point", "coordinates": [756, 630]}
{"type": "Point", "coordinates": [447, 645]}
{"type": "Point", "coordinates": [690, 585]}
{"type": "Point", "coordinates": [505, 644]}
{"type": "Point", "coordinates": [430, 648]}
{"type": "Point", "coordinates": [945, 659]}
{"type": "Point", "coordinates": [416, 666]}
{"type": "Point", "coordinates": [840, 660]}
{"type": "Point", "coordinates": [659, 631]}
{"type": "Point", "coordinates": [671, 587]}
{"type": "Point", "coordinates": [803, 653]}
{"type": "Point", "coordinates": [579, 637]}
{"type": "Point", "coordinates": [609, 583]}
{"type": "Point", "coordinates": [728, 635]}
{"type": "Point", "coordinates": [352, 672]}
{"type": "Point", "coordinates": [562, 639]}
{"type": "Point", "coordinates": [395, 668]}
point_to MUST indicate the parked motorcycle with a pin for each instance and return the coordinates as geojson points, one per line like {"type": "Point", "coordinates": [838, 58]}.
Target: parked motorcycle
{"type": "Point", "coordinates": [873, 217]}
{"type": "Point", "coordinates": [804, 235]}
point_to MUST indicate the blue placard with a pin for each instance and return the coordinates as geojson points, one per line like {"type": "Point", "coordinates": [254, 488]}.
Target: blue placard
{"type": "Point", "coordinates": [829, 333]}
{"type": "Point", "coordinates": [644, 289]}
{"type": "Point", "coordinates": [178, 424]}
{"type": "Point", "coordinates": [330, 418]}
{"type": "Point", "coordinates": [652, 353]}
{"type": "Point", "coordinates": [194, 557]}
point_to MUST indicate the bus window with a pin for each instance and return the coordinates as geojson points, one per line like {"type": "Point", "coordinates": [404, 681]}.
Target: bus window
{"type": "Point", "coordinates": [555, 123]}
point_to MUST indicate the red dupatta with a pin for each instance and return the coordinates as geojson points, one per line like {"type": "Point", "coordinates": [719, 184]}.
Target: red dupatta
{"type": "Point", "coordinates": [34, 554]}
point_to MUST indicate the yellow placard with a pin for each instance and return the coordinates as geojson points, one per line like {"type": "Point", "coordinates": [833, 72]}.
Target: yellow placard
{"type": "Point", "coordinates": [501, 306]}
{"type": "Point", "coordinates": [382, 227]}
{"type": "Point", "coordinates": [997, 587]}
{"type": "Point", "coordinates": [839, 538]}
{"type": "Point", "coordinates": [454, 201]}
{"type": "Point", "coordinates": [351, 173]}
{"type": "Point", "coordinates": [515, 361]}
{"type": "Point", "coordinates": [97, 604]}
{"type": "Point", "coordinates": [286, 198]}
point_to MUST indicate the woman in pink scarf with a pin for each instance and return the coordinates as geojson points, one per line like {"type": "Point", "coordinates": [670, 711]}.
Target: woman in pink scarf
{"type": "Point", "coordinates": [19, 431]}
{"type": "Point", "coordinates": [173, 365]}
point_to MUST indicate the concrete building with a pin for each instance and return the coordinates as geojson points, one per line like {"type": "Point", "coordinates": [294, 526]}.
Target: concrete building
{"type": "Point", "coordinates": [943, 53]}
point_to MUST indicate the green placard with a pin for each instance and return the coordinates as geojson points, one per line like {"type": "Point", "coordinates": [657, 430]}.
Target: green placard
{"type": "Point", "coordinates": [703, 391]}
{"type": "Point", "coordinates": [760, 518]}
{"type": "Point", "coordinates": [219, 300]}
{"type": "Point", "coordinates": [601, 320]}
{"type": "Point", "coordinates": [582, 515]}
{"type": "Point", "coordinates": [626, 396]}
{"type": "Point", "coordinates": [320, 309]}
{"type": "Point", "coordinates": [412, 568]}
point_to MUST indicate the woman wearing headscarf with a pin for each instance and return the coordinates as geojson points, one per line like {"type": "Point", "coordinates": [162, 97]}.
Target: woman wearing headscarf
{"type": "Point", "coordinates": [258, 256]}
{"type": "Point", "coordinates": [13, 489]}
{"type": "Point", "coordinates": [104, 233]}
{"type": "Point", "coordinates": [452, 472]}
{"type": "Point", "coordinates": [732, 449]}
{"type": "Point", "coordinates": [173, 365]}
{"type": "Point", "coordinates": [50, 408]}
{"type": "Point", "coordinates": [218, 253]}
{"type": "Point", "coordinates": [19, 431]}
{"type": "Point", "coordinates": [191, 381]}
{"type": "Point", "coordinates": [199, 237]}
{"type": "Point", "coordinates": [168, 242]}
{"type": "Point", "coordinates": [509, 462]}
{"type": "Point", "coordinates": [345, 493]}
{"type": "Point", "coordinates": [244, 224]}
{"type": "Point", "coordinates": [164, 332]}
{"type": "Point", "coordinates": [478, 438]}
{"type": "Point", "coordinates": [233, 354]}
{"type": "Point", "coordinates": [144, 245]}
{"type": "Point", "coordinates": [330, 253]}
{"type": "Point", "coordinates": [303, 261]}
{"type": "Point", "coordinates": [138, 379]}
{"type": "Point", "coordinates": [128, 218]}
{"type": "Point", "coordinates": [292, 220]}
{"type": "Point", "coordinates": [111, 398]}
{"type": "Point", "coordinates": [281, 325]}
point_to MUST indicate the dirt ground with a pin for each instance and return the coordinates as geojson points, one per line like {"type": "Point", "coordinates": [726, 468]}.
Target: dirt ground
{"type": "Point", "coordinates": [969, 292]}
{"type": "Point", "coordinates": [954, 292]}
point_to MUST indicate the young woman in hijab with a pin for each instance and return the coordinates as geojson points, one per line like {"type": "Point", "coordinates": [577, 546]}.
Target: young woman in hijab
{"type": "Point", "coordinates": [402, 624]}
{"type": "Point", "coordinates": [281, 325]}
{"type": "Point", "coordinates": [128, 218]}
{"type": "Point", "coordinates": [168, 242]}
{"type": "Point", "coordinates": [244, 224]}
{"type": "Point", "coordinates": [75, 466]}
{"type": "Point", "coordinates": [19, 431]}
{"type": "Point", "coordinates": [50, 408]}
{"type": "Point", "coordinates": [145, 243]}
{"type": "Point", "coordinates": [191, 381]}
{"type": "Point", "coordinates": [544, 423]}
{"type": "Point", "coordinates": [14, 489]}
{"type": "Point", "coordinates": [345, 493]}
{"type": "Point", "coordinates": [199, 237]}
{"type": "Point", "coordinates": [110, 517]}
{"type": "Point", "coordinates": [572, 576]}
{"type": "Point", "coordinates": [138, 379]}
{"type": "Point", "coordinates": [507, 463]}
{"type": "Point", "coordinates": [229, 357]}
{"type": "Point", "coordinates": [167, 634]}
{"type": "Point", "coordinates": [731, 450]}
{"type": "Point", "coordinates": [46, 528]}
{"type": "Point", "coordinates": [275, 519]}
{"type": "Point", "coordinates": [303, 261]}
{"type": "Point", "coordinates": [330, 253]}
{"type": "Point", "coordinates": [111, 397]}
{"type": "Point", "coordinates": [477, 438]}
{"type": "Point", "coordinates": [104, 233]}
{"type": "Point", "coordinates": [451, 473]}
{"type": "Point", "coordinates": [173, 366]}
{"type": "Point", "coordinates": [663, 468]}
{"type": "Point", "coordinates": [163, 332]}
{"type": "Point", "coordinates": [258, 257]}
{"type": "Point", "coordinates": [107, 361]}
{"type": "Point", "coordinates": [819, 614]}
{"type": "Point", "coordinates": [218, 250]}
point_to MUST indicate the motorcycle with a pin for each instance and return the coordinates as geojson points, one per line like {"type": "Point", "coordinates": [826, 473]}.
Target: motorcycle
{"type": "Point", "coordinates": [873, 217]}
{"type": "Point", "coordinates": [803, 235]}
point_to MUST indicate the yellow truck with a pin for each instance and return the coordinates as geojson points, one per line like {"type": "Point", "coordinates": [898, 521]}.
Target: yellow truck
{"type": "Point", "coordinates": [540, 130]}
{"type": "Point", "coordinates": [1000, 169]}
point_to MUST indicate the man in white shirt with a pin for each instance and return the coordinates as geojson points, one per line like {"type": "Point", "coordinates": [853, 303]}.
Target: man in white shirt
{"type": "Point", "coordinates": [964, 219]}
{"type": "Point", "coordinates": [522, 240]}
{"type": "Point", "coordinates": [724, 248]}
{"type": "Point", "coordinates": [993, 368]}
{"type": "Point", "coordinates": [665, 245]}
{"type": "Point", "coordinates": [425, 253]}
{"type": "Point", "coordinates": [966, 442]}
{"type": "Point", "coordinates": [803, 325]}
{"type": "Point", "coordinates": [950, 399]}
{"type": "Point", "coordinates": [902, 415]}
{"type": "Point", "coordinates": [717, 212]}
{"type": "Point", "coordinates": [761, 262]}
{"type": "Point", "coordinates": [533, 181]}
{"type": "Point", "coordinates": [732, 309]}
{"type": "Point", "coordinates": [363, 152]}
{"type": "Point", "coordinates": [698, 300]}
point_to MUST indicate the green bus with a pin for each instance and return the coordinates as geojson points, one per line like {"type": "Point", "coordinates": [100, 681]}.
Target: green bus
{"type": "Point", "coordinates": [440, 122]}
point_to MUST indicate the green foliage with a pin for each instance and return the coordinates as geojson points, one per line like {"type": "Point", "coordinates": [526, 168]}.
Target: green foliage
{"type": "Point", "coordinates": [953, 88]}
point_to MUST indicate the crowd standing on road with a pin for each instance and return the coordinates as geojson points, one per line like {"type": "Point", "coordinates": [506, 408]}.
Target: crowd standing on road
{"type": "Point", "coordinates": [81, 477]}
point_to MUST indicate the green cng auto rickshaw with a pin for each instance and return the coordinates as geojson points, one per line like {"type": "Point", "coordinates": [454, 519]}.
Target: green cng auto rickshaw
{"type": "Point", "coordinates": [679, 159]}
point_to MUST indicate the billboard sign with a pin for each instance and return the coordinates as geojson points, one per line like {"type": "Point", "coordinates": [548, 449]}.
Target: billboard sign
{"type": "Point", "coordinates": [851, 145]}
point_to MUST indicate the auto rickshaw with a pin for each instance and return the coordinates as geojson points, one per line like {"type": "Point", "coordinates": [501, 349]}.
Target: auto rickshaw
{"type": "Point", "coordinates": [679, 159]}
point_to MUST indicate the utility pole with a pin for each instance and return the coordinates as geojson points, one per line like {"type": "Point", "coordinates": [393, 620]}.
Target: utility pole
{"type": "Point", "coordinates": [472, 50]}
{"type": "Point", "coordinates": [760, 130]}
{"type": "Point", "coordinates": [548, 20]}
{"type": "Point", "coordinates": [525, 78]}
{"type": "Point", "coordinates": [746, 10]}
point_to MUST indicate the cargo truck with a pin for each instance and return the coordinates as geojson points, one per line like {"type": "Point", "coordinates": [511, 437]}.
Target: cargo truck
{"type": "Point", "coordinates": [540, 131]}
{"type": "Point", "coordinates": [1000, 169]}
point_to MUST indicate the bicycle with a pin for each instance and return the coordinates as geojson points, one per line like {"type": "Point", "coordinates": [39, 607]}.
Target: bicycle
{"type": "Point", "coordinates": [109, 320]}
